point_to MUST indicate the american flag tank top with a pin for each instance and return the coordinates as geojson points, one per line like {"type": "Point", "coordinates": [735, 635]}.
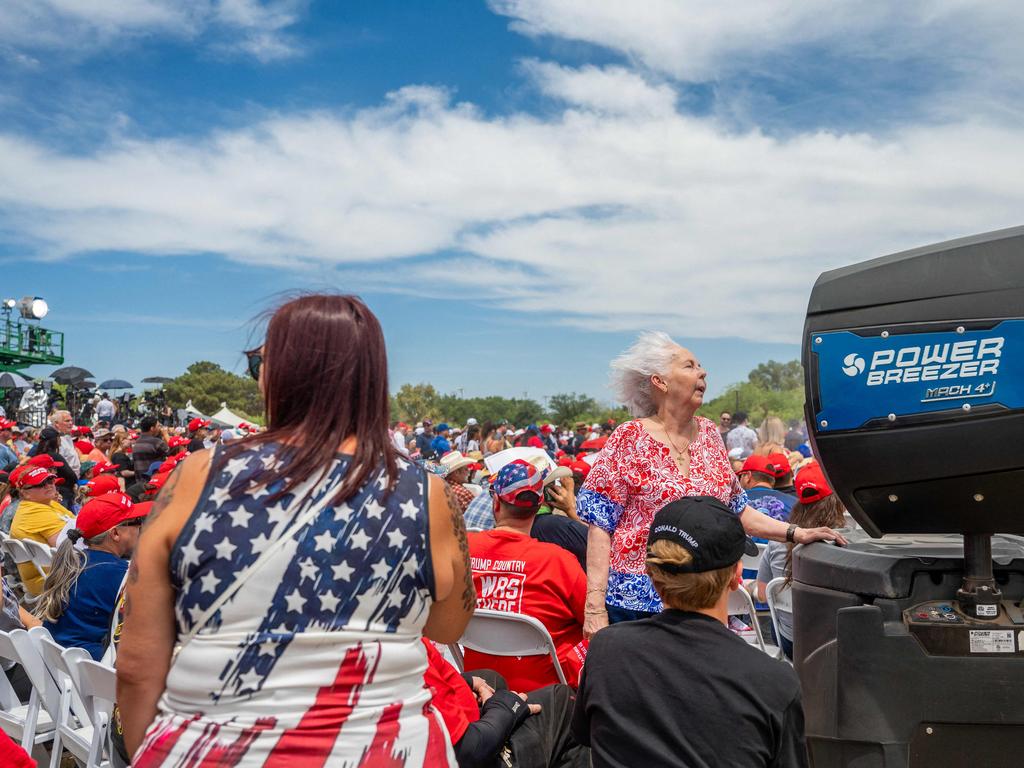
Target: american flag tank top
{"type": "Point", "coordinates": [316, 660]}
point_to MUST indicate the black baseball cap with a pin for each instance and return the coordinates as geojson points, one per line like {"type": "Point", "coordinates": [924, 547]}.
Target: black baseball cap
{"type": "Point", "coordinates": [706, 528]}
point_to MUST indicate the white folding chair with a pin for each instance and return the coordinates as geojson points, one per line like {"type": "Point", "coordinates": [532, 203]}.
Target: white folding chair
{"type": "Point", "coordinates": [779, 596]}
{"type": "Point", "coordinates": [97, 684]}
{"type": "Point", "coordinates": [19, 554]}
{"type": "Point", "coordinates": [74, 728]}
{"type": "Point", "coordinates": [509, 634]}
{"type": "Point", "coordinates": [742, 604]}
{"type": "Point", "coordinates": [42, 554]}
{"type": "Point", "coordinates": [32, 724]}
{"type": "Point", "coordinates": [751, 562]}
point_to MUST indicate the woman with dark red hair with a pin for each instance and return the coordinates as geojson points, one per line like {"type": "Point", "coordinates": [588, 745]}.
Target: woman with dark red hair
{"type": "Point", "coordinates": [275, 607]}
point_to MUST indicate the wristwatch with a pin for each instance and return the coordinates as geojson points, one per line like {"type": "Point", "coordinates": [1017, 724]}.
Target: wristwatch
{"type": "Point", "coordinates": [791, 533]}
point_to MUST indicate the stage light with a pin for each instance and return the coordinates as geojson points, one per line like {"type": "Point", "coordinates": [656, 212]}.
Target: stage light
{"type": "Point", "coordinates": [33, 308]}
{"type": "Point", "coordinates": [10, 304]}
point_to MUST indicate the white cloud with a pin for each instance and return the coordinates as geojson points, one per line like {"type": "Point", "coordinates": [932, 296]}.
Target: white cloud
{"type": "Point", "coordinates": [610, 89]}
{"type": "Point", "coordinates": [615, 219]}
{"type": "Point", "coordinates": [696, 40]}
{"type": "Point", "coordinates": [80, 27]}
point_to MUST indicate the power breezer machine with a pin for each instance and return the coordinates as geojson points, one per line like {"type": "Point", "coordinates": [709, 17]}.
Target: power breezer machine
{"type": "Point", "coordinates": [909, 643]}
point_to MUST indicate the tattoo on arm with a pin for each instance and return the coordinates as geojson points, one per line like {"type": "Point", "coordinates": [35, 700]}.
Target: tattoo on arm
{"type": "Point", "coordinates": [468, 591]}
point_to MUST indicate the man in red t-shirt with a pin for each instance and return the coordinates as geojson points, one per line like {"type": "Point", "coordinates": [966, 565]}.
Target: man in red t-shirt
{"type": "Point", "coordinates": [515, 573]}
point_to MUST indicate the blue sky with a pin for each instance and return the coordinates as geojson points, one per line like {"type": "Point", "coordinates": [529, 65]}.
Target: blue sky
{"type": "Point", "coordinates": [516, 187]}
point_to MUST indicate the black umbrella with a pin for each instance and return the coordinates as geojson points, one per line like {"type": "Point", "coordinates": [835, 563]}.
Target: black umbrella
{"type": "Point", "coordinates": [87, 384]}
{"type": "Point", "coordinates": [10, 380]}
{"type": "Point", "coordinates": [115, 384]}
{"type": "Point", "coordinates": [71, 374]}
{"type": "Point", "coordinates": [157, 379]}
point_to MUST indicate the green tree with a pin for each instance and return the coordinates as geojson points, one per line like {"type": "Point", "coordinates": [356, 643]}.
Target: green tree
{"type": "Point", "coordinates": [567, 407]}
{"type": "Point", "coordinates": [771, 389]}
{"type": "Point", "coordinates": [778, 377]}
{"type": "Point", "coordinates": [208, 385]}
{"type": "Point", "coordinates": [414, 402]}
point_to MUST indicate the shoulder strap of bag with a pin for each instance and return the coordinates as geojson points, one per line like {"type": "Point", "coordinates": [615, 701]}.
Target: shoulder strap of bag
{"type": "Point", "coordinates": [316, 506]}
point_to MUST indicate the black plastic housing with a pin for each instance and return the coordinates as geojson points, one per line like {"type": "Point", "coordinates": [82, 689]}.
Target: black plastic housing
{"type": "Point", "coordinates": [950, 472]}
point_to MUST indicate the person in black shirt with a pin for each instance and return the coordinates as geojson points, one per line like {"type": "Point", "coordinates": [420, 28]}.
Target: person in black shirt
{"type": "Point", "coordinates": [198, 430]}
{"type": "Point", "coordinates": [680, 689]}
{"type": "Point", "coordinates": [47, 454]}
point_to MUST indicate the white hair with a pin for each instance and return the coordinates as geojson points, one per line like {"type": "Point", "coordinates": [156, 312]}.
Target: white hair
{"type": "Point", "coordinates": [650, 354]}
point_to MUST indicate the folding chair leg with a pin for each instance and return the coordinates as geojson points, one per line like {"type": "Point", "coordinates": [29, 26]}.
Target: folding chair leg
{"type": "Point", "coordinates": [28, 734]}
{"type": "Point", "coordinates": [63, 716]}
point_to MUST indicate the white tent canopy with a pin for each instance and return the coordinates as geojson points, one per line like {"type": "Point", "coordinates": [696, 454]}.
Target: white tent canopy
{"type": "Point", "coordinates": [226, 416]}
{"type": "Point", "coordinates": [192, 412]}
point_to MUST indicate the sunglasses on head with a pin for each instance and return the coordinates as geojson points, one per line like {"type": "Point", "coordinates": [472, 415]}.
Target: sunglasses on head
{"type": "Point", "coordinates": [254, 361]}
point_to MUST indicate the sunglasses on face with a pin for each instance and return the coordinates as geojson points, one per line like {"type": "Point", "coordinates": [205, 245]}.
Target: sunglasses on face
{"type": "Point", "coordinates": [254, 361]}
{"type": "Point", "coordinates": [134, 522]}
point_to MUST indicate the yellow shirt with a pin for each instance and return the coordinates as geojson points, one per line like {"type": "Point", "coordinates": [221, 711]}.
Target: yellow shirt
{"type": "Point", "coordinates": [37, 521]}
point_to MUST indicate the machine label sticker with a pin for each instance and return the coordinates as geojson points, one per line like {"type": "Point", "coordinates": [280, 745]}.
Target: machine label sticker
{"type": "Point", "coordinates": [986, 611]}
{"type": "Point", "coordinates": [862, 378]}
{"type": "Point", "coordinates": [992, 641]}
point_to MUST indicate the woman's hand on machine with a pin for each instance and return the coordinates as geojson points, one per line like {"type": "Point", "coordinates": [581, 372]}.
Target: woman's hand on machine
{"type": "Point", "coordinates": [807, 535]}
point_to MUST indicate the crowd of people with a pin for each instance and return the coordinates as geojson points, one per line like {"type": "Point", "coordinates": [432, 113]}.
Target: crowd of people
{"type": "Point", "coordinates": [295, 591]}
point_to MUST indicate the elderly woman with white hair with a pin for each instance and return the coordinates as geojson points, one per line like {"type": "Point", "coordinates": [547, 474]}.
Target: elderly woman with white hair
{"type": "Point", "coordinates": [665, 453]}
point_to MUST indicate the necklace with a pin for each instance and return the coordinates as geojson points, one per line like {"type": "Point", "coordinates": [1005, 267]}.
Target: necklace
{"type": "Point", "coordinates": [679, 453]}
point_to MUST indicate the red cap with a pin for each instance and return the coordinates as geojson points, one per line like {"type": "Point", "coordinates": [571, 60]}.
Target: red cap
{"type": "Point", "coordinates": [198, 423]}
{"type": "Point", "coordinates": [546, 428]}
{"type": "Point", "coordinates": [15, 473]}
{"type": "Point", "coordinates": [534, 442]}
{"type": "Point", "coordinates": [102, 484]}
{"type": "Point", "coordinates": [811, 485]}
{"type": "Point", "coordinates": [780, 464]}
{"type": "Point", "coordinates": [80, 430]}
{"type": "Point", "coordinates": [35, 476]}
{"type": "Point", "coordinates": [103, 512]}
{"type": "Point", "coordinates": [580, 466]}
{"type": "Point", "coordinates": [174, 441]}
{"type": "Point", "coordinates": [44, 460]}
{"type": "Point", "coordinates": [5, 424]}
{"type": "Point", "coordinates": [142, 508]}
{"type": "Point", "coordinates": [157, 481]}
{"type": "Point", "coordinates": [84, 446]}
{"type": "Point", "coordinates": [759, 464]}
{"type": "Point", "coordinates": [103, 467]}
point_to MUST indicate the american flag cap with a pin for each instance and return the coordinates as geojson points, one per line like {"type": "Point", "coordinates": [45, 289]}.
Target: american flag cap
{"type": "Point", "coordinates": [516, 478]}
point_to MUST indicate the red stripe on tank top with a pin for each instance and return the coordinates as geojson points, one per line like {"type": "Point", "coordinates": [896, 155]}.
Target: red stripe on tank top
{"type": "Point", "coordinates": [224, 755]}
{"type": "Point", "coordinates": [381, 752]}
{"type": "Point", "coordinates": [309, 744]}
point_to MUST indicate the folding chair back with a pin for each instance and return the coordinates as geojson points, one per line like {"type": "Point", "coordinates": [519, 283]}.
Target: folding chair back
{"type": "Point", "coordinates": [779, 597]}
{"type": "Point", "coordinates": [742, 604]}
{"type": "Point", "coordinates": [56, 660]}
{"type": "Point", "coordinates": [41, 554]}
{"type": "Point", "coordinates": [98, 686]}
{"type": "Point", "coordinates": [751, 562]}
{"type": "Point", "coordinates": [510, 634]}
{"type": "Point", "coordinates": [20, 554]}
{"type": "Point", "coordinates": [33, 722]}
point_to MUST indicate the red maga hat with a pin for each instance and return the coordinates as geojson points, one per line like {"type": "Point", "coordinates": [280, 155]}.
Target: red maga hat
{"type": "Point", "coordinates": [103, 512]}
{"type": "Point", "coordinates": [102, 484]}
{"type": "Point", "coordinates": [811, 485]}
{"type": "Point", "coordinates": [44, 460]}
{"type": "Point", "coordinates": [758, 464]}
{"type": "Point", "coordinates": [198, 423]}
{"type": "Point", "coordinates": [33, 477]}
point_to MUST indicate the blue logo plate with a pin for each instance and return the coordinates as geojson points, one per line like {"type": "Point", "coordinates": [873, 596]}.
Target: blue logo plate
{"type": "Point", "coordinates": [862, 378]}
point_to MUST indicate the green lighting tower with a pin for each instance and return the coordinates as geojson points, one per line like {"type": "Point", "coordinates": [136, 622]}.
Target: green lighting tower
{"type": "Point", "coordinates": [23, 342]}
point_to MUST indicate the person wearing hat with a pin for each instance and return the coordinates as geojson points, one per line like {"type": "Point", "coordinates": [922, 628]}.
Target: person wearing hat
{"type": "Point", "coordinates": [816, 505]}
{"type": "Point", "coordinates": [104, 483]}
{"type": "Point", "coordinates": [424, 439]}
{"type": "Point", "coordinates": [680, 688]}
{"type": "Point", "coordinates": [81, 589]}
{"type": "Point", "coordinates": [198, 431]}
{"type": "Point", "coordinates": [783, 463]}
{"type": "Point", "coordinates": [46, 453]}
{"type": "Point", "coordinates": [514, 572]}
{"type": "Point", "coordinates": [8, 456]}
{"type": "Point", "coordinates": [440, 444]}
{"type": "Point", "coordinates": [456, 474]}
{"type": "Point", "coordinates": [757, 478]}
{"type": "Point", "coordinates": [40, 517]}
{"type": "Point", "coordinates": [400, 437]}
